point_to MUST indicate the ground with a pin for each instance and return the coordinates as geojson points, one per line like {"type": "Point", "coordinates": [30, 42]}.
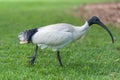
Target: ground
{"type": "Point", "coordinates": [92, 58]}
{"type": "Point", "coordinates": [108, 12]}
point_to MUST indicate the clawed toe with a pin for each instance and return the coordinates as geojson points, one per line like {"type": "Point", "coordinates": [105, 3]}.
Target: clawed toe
{"type": "Point", "coordinates": [32, 60]}
{"type": "Point", "coordinates": [34, 56]}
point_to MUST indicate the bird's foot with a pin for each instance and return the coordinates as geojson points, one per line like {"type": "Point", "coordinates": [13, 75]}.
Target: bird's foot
{"type": "Point", "coordinates": [32, 60]}
{"type": "Point", "coordinates": [61, 64]}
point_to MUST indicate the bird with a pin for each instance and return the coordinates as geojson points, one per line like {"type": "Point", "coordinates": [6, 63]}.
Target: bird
{"type": "Point", "coordinates": [56, 36]}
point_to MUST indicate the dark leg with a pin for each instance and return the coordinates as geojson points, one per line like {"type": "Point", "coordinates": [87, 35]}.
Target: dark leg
{"type": "Point", "coordinates": [34, 56]}
{"type": "Point", "coordinates": [59, 58]}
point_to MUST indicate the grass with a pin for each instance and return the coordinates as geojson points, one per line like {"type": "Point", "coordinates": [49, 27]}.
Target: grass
{"type": "Point", "coordinates": [92, 58]}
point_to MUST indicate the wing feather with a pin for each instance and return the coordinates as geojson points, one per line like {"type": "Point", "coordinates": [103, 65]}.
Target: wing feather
{"type": "Point", "coordinates": [52, 37]}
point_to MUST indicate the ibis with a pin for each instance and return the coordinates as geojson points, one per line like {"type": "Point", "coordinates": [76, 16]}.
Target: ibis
{"type": "Point", "coordinates": [56, 36]}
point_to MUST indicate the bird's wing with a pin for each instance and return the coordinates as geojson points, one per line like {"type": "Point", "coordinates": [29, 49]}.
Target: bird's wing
{"type": "Point", "coordinates": [52, 37]}
{"type": "Point", "coordinates": [59, 27]}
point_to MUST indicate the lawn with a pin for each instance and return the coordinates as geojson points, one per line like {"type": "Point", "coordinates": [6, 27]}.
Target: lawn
{"type": "Point", "coordinates": [91, 58]}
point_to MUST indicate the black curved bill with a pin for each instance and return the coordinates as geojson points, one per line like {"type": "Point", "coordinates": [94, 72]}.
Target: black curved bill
{"type": "Point", "coordinates": [103, 26]}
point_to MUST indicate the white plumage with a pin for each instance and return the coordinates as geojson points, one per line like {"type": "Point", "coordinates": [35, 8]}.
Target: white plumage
{"type": "Point", "coordinates": [57, 36]}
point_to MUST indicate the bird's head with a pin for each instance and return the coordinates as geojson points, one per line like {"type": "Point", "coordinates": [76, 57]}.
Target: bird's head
{"type": "Point", "coordinates": [96, 20]}
{"type": "Point", "coordinates": [25, 36]}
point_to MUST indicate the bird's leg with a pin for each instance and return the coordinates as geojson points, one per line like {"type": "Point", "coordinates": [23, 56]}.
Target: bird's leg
{"type": "Point", "coordinates": [34, 56]}
{"type": "Point", "coordinates": [59, 58]}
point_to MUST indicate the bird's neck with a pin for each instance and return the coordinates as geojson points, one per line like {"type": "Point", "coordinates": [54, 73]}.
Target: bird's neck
{"type": "Point", "coordinates": [79, 31]}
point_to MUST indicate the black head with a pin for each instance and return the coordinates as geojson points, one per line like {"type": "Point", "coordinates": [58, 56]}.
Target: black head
{"type": "Point", "coordinates": [25, 36]}
{"type": "Point", "coordinates": [93, 20]}
{"type": "Point", "coordinates": [96, 20]}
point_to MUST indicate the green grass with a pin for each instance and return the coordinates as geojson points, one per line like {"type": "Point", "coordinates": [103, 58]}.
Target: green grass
{"type": "Point", "coordinates": [92, 58]}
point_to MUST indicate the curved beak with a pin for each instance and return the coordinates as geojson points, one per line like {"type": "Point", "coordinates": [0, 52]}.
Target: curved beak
{"type": "Point", "coordinates": [103, 26]}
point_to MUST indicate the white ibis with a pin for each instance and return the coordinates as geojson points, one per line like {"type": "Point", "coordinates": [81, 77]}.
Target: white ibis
{"type": "Point", "coordinates": [56, 36]}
